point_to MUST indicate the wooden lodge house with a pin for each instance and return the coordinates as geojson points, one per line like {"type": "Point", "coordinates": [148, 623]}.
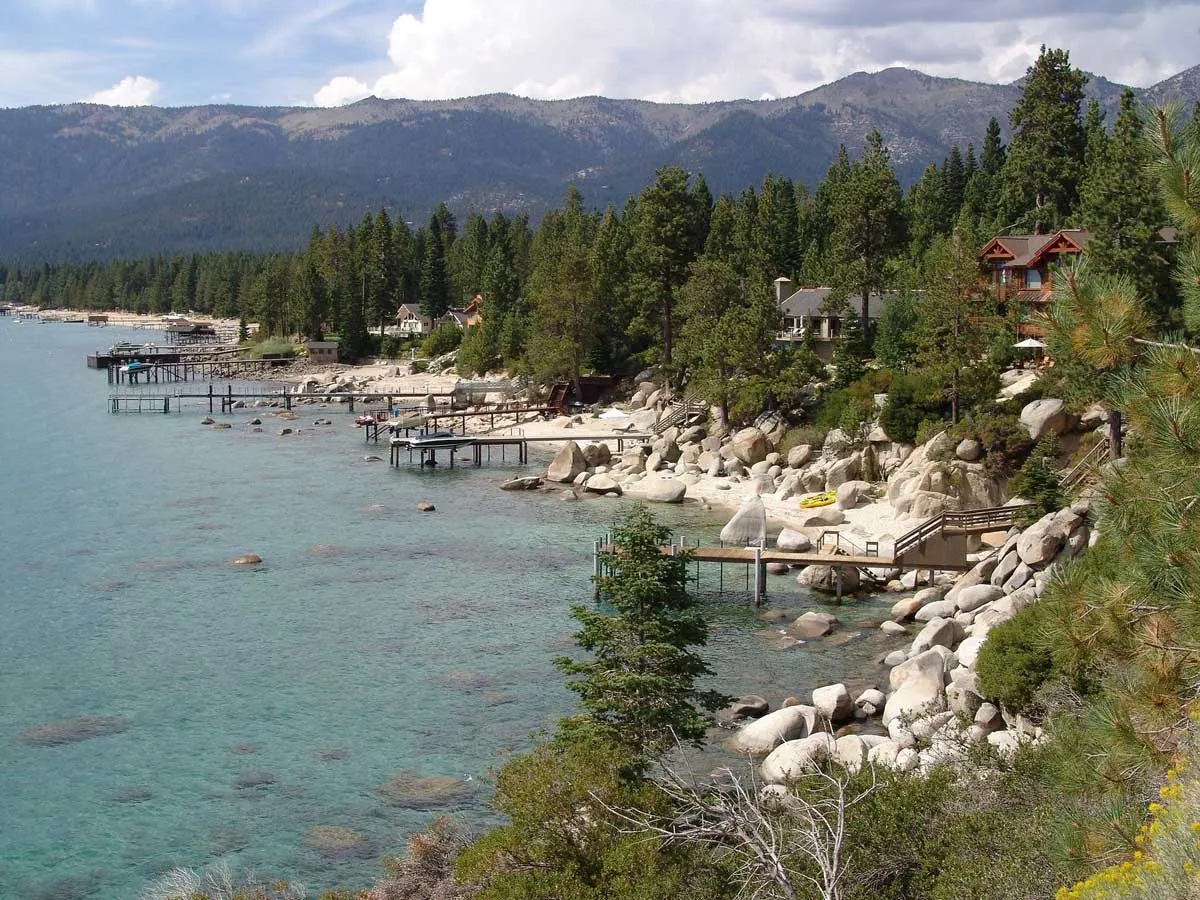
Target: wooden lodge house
{"type": "Point", "coordinates": [1021, 270]}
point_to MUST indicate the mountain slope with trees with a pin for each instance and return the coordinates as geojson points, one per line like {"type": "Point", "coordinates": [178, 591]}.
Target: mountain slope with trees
{"type": "Point", "coordinates": [85, 181]}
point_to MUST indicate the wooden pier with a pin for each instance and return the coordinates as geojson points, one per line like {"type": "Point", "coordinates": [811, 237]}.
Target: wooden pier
{"type": "Point", "coordinates": [482, 446]}
{"type": "Point", "coordinates": [228, 400]}
{"type": "Point", "coordinates": [937, 545]}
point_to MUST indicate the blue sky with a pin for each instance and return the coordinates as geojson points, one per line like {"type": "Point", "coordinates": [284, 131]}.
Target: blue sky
{"type": "Point", "coordinates": [305, 52]}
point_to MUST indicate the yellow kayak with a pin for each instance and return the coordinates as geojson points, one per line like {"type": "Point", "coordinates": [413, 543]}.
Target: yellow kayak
{"type": "Point", "coordinates": [822, 499]}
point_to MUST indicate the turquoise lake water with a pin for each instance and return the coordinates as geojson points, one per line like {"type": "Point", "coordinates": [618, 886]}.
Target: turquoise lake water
{"type": "Point", "coordinates": [254, 705]}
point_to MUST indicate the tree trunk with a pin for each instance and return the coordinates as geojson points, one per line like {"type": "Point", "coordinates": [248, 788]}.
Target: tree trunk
{"type": "Point", "coordinates": [1114, 434]}
{"type": "Point", "coordinates": [954, 397]}
{"type": "Point", "coordinates": [667, 328]}
{"type": "Point", "coordinates": [866, 318]}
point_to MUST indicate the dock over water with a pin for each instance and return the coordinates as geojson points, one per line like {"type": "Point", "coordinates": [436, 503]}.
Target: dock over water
{"type": "Point", "coordinates": [936, 545]}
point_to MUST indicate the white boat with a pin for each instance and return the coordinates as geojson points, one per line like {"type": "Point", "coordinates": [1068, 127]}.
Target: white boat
{"type": "Point", "coordinates": [433, 440]}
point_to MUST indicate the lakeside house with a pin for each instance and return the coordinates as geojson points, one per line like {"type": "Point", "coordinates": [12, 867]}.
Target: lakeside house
{"type": "Point", "coordinates": [411, 321]}
{"type": "Point", "coordinates": [804, 312]}
{"type": "Point", "coordinates": [1021, 269]}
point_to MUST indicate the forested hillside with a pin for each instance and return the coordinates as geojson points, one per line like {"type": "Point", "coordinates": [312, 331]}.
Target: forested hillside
{"type": "Point", "coordinates": [85, 181]}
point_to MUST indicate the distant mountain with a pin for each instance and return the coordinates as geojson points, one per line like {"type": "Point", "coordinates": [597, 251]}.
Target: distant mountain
{"type": "Point", "coordinates": [93, 181]}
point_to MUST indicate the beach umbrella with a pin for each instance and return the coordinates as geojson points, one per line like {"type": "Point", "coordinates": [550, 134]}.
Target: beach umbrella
{"type": "Point", "coordinates": [1030, 344]}
{"type": "Point", "coordinates": [748, 525]}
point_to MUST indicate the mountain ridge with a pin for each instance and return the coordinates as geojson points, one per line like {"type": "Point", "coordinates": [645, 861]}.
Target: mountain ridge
{"type": "Point", "coordinates": [91, 180]}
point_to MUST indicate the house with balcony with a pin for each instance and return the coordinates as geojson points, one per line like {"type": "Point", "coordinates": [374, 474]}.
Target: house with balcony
{"type": "Point", "coordinates": [1021, 270]}
{"type": "Point", "coordinates": [804, 312]}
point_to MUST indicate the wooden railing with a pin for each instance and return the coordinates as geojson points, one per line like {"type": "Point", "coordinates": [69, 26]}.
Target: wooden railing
{"type": "Point", "coordinates": [992, 518]}
{"type": "Point", "coordinates": [678, 414]}
{"type": "Point", "coordinates": [1087, 466]}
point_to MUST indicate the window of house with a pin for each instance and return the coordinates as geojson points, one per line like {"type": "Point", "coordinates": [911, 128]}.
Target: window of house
{"type": "Point", "coordinates": [1033, 279]}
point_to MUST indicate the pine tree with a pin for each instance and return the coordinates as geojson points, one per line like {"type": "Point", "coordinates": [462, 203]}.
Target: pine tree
{"type": "Point", "coordinates": [816, 238]}
{"type": "Point", "coordinates": [1045, 158]}
{"type": "Point", "coordinates": [849, 351]}
{"type": "Point", "coordinates": [1099, 321]}
{"type": "Point", "coordinates": [981, 197]}
{"type": "Point", "coordinates": [954, 183]}
{"type": "Point", "coordinates": [726, 337]}
{"type": "Point", "coordinates": [925, 206]}
{"type": "Point", "coordinates": [639, 688]}
{"type": "Point", "coordinates": [610, 269]}
{"type": "Point", "coordinates": [952, 335]}
{"type": "Point", "coordinates": [895, 342]}
{"type": "Point", "coordinates": [1175, 161]}
{"type": "Point", "coordinates": [435, 285]}
{"type": "Point", "coordinates": [777, 229]}
{"type": "Point", "coordinates": [564, 308]}
{"type": "Point", "coordinates": [869, 231]}
{"type": "Point", "coordinates": [669, 235]}
{"type": "Point", "coordinates": [1121, 205]}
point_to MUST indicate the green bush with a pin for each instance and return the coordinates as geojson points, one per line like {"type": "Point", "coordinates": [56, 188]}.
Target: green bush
{"type": "Point", "coordinates": [274, 347]}
{"type": "Point", "coordinates": [419, 366]}
{"type": "Point", "coordinates": [1015, 661]}
{"type": "Point", "coordinates": [854, 403]}
{"type": "Point", "coordinates": [443, 339]}
{"type": "Point", "coordinates": [911, 400]}
{"type": "Point", "coordinates": [1038, 480]}
{"type": "Point", "coordinates": [1005, 440]}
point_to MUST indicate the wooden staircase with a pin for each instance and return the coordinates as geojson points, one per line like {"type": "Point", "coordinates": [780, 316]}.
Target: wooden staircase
{"type": "Point", "coordinates": [1087, 468]}
{"type": "Point", "coordinates": [680, 412]}
{"type": "Point", "coordinates": [941, 542]}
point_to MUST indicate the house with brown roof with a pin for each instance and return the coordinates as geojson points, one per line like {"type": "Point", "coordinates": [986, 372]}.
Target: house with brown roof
{"type": "Point", "coordinates": [1021, 269]}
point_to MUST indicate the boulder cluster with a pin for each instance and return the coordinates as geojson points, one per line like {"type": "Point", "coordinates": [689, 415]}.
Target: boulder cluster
{"type": "Point", "coordinates": [933, 708]}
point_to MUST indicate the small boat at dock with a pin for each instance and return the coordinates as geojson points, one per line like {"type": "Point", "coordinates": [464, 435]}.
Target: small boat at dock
{"type": "Point", "coordinates": [433, 440]}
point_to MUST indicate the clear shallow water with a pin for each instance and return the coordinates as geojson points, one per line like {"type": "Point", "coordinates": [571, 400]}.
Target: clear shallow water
{"type": "Point", "coordinates": [405, 642]}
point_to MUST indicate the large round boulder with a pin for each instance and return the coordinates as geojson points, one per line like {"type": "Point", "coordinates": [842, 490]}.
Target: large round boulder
{"type": "Point", "coordinates": [662, 490]}
{"type": "Point", "coordinates": [795, 758]}
{"type": "Point", "coordinates": [791, 541]}
{"type": "Point", "coordinates": [851, 493]}
{"type": "Point", "coordinates": [825, 579]}
{"type": "Point", "coordinates": [1042, 417]}
{"type": "Point", "coordinates": [603, 484]}
{"type": "Point", "coordinates": [567, 464]}
{"type": "Point", "coordinates": [597, 455]}
{"type": "Point", "coordinates": [750, 446]}
{"type": "Point", "coordinates": [763, 735]}
{"type": "Point", "coordinates": [799, 456]}
{"type": "Point", "coordinates": [916, 687]}
{"type": "Point", "coordinates": [833, 702]}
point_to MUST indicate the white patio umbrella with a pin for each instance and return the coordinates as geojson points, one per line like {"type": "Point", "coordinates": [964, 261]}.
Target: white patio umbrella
{"type": "Point", "coordinates": [1030, 344]}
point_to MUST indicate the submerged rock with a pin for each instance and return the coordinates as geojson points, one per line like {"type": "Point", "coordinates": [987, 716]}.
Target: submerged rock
{"type": "Point", "coordinates": [248, 780]}
{"type": "Point", "coordinates": [338, 842]}
{"type": "Point", "coordinates": [414, 791]}
{"type": "Point", "coordinates": [73, 730]}
{"type": "Point", "coordinates": [425, 506]}
{"type": "Point", "coordinates": [247, 559]}
{"type": "Point", "coordinates": [133, 795]}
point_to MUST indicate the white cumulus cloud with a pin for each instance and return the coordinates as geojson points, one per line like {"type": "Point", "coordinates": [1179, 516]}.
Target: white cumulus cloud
{"type": "Point", "coordinates": [132, 90]}
{"type": "Point", "coordinates": [340, 91]}
{"type": "Point", "coordinates": [700, 50]}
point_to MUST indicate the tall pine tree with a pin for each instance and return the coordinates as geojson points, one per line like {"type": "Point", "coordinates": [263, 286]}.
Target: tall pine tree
{"type": "Point", "coordinates": [1045, 158]}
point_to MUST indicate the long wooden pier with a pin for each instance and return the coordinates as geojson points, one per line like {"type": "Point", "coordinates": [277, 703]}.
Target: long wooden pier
{"type": "Point", "coordinates": [228, 400]}
{"type": "Point", "coordinates": [482, 445]}
{"type": "Point", "coordinates": [938, 545]}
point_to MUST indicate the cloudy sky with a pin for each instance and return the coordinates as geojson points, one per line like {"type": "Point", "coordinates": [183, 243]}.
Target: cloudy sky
{"type": "Point", "coordinates": [327, 52]}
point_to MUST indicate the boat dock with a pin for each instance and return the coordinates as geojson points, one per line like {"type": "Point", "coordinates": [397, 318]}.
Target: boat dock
{"type": "Point", "coordinates": [426, 446]}
{"type": "Point", "coordinates": [229, 399]}
{"type": "Point", "coordinates": [937, 545]}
